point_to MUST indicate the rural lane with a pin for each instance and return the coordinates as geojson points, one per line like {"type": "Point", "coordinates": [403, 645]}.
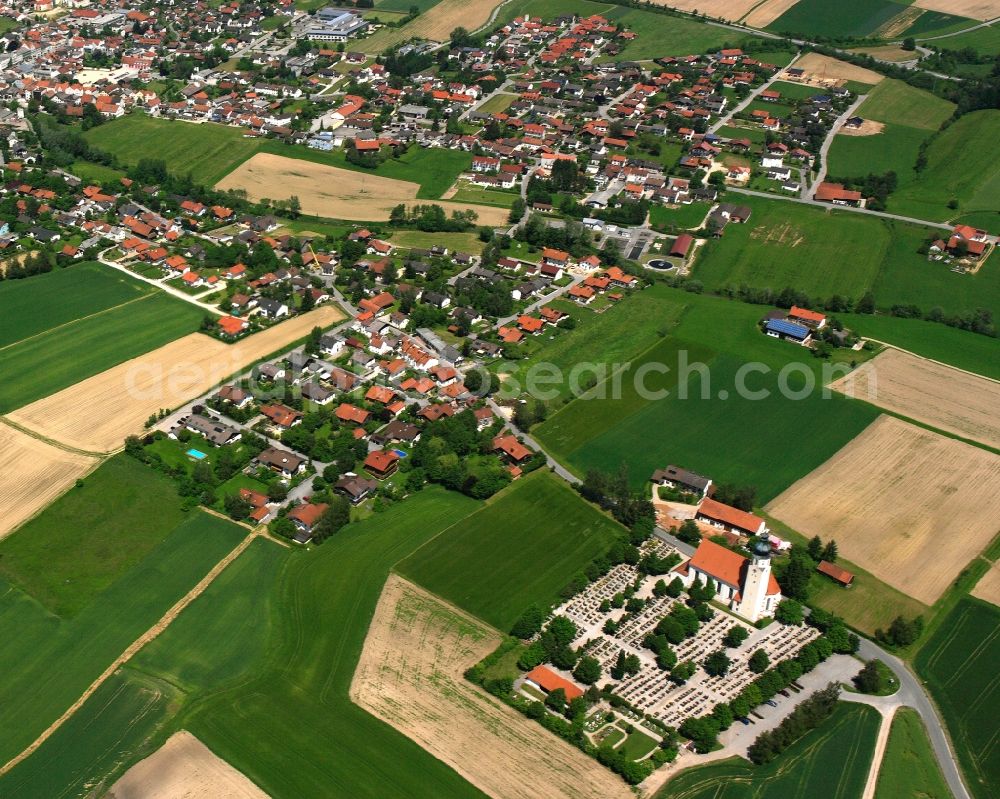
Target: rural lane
{"type": "Point", "coordinates": [168, 289]}
{"type": "Point", "coordinates": [824, 149]}
{"type": "Point", "coordinates": [831, 206]}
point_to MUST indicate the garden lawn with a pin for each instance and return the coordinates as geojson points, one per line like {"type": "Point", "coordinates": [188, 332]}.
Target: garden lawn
{"type": "Point", "coordinates": [522, 548]}
{"type": "Point", "coordinates": [47, 662]}
{"type": "Point", "coordinates": [958, 664]}
{"type": "Point", "coordinates": [789, 244]}
{"type": "Point", "coordinates": [687, 217]}
{"type": "Point", "coordinates": [127, 508]}
{"type": "Point", "coordinates": [59, 358]}
{"type": "Point", "coordinates": [208, 151]}
{"type": "Point", "coordinates": [713, 430]}
{"type": "Point", "coordinates": [42, 302]}
{"type": "Point", "coordinates": [909, 766]}
{"type": "Point", "coordinates": [842, 19]}
{"type": "Point", "coordinates": [831, 761]}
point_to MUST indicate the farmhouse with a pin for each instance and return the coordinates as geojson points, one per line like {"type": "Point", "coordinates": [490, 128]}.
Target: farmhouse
{"type": "Point", "coordinates": [746, 585]}
{"type": "Point", "coordinates": [726, 517]}
{"type": "Point", "coordinates": [836, 193]}
{"type": "Point", "coordinates": [676, 477]}
{"type": "Point", "coordinates": [804, 316]}
{"type": "Point", "coordinates": [788, 330]}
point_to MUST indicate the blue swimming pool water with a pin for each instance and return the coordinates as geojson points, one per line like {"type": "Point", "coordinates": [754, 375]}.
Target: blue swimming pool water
{"type": "Point", "coordinates": [400, 453]}
{"type": "Point", "coordinates": [196, 454]}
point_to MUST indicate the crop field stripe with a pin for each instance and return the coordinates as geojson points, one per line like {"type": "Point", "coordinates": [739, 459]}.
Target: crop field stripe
{"type": "Point", "coordinates": [73, 321]}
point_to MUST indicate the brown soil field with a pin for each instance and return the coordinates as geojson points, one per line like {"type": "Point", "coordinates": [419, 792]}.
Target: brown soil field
{"type": "Point", "coordinates": [868, 128]}
{"type": "Point", "coordinates": [949, 399]}
{"type": "Point", "coordinates": [909, 505]}
{"type": "Point", "coordinates": [889, 52]}
{"type": "Point", "coordinates": [337, 193]}
{"type": "Point", "coordinates": [410, 676]}
{"type": "Point", "coordinates": [896, 25]}
{"type": "Point", "coordinates": [731, 10]}
{"type": "Point", "coordinates": [32, 475]}
{"type": "Point", "coordinates": [974, 9]}
{"type": "Point", "coordinates": [832, 71]}
{"type": "Point", "coordinates": [435, 24]}
{"type": "Point", "coordinates": [767, 12]}
{"type": "Point", "coordinates": [98, 413]}
{"type": "Point", "coordinates": [988, 587]}
{"type": "Point", "coordinates": [184, 768]}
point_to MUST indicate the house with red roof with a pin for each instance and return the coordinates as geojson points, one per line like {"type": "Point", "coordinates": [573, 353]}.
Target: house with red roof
{"type": "Point", "coordinates": [382, 463]}
{"type": "Point", "coordinates": [734, 520]}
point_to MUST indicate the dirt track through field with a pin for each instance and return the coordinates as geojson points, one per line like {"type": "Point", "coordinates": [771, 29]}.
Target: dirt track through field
{"type": "Point", "coordinates": [949, 399]}
{"type": "Point", "coordinates": [133, 648]}
{"type": "Point", "coordinates": [98, 413]}
{"type": "Point", "coordinates": [184, 768]}
{"type": "Point", "coordinates": [974, 9]}
{"type": "Point", "coordinates": [907, 504]}
{"type": "Point", "coordinates": [767, 12]}
{"type": "Point", "coordinates": [335, 193]}
{"type": "Point", "coordinates": [410, 676]}
{"type": "Point", "coordinates": [32, 474]}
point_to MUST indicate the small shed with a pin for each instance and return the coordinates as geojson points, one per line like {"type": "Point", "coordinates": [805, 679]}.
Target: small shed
{"type": "Point", "coordinates": [834, 572]}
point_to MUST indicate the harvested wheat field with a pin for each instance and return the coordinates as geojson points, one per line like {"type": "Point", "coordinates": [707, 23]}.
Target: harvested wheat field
{"type": "Point", "coordinates": [974, 9]}
{"type": "Point", "coordinates": [184, 768]}
{"type": "Point", "coordinates": [944, 397]}
{"type": "Point", "coordinates": [98, 413]}
{"type": "Point", "coordinates": [833, 72]}
{"type": "Point", "coordinates": [435, 24]}
{"type": "Point", "coordinates": [767, 12]}
{"type": "Point", "coordinates": [410, 676]}
{"type": "Point", "coordinates": [988, 587]}
{"type": "Point", "coordinates": [909, 505]}
{"type": "Point", "coordinates": [32, 474]}
{"type": "Point", "coordinates": [888, 52]}
{"type": "Point", "coordinates": [731, 10]}
{"type": "Point", "coordinates": [337, 193]}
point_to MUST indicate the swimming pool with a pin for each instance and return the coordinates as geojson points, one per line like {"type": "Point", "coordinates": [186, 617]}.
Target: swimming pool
{"type": "Point", "coordinates": [400, 453]}
{"type": "Point", "coordinates": [196, 454]}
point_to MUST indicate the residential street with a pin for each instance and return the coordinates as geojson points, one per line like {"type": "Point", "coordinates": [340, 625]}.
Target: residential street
{"type": "Point", "coordinates": [723, 121]}
{"type": "Point", "coordinates": [824, 151]}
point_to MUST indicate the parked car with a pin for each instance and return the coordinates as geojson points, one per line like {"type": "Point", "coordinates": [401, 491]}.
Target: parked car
{"type": "Point", "coordinates": [772, 703]}
{"type": "Point", "coordinates": [744, 721]}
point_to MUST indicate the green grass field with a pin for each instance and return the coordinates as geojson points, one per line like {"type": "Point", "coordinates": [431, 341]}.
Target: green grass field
{"type": "Point", "coordinates": [831, 761]}
{"type": "Point", "coordinates": [718, 432]}
{"type": "Point", "coordinates": [127, 508]}
{"type": "Point", "coordinates": [909, 767]}
{"type": "Point", "coordinates": [980, 354]}
{"type": "Point", "coordinates": [40, 303]}
{"type": "Point", "coordinates": [683, 216]}
{"type": "Point", "coordinates": [662, 35]}
{"type": "Point", "coordinates": [902, 104]}
{"type": "Point", "coordinates": [94, 173]}
{"type": "Point", "coordinates": [497, 103]}
{"type": "Point", "coordinates": [523, 547]}
{"type": "Point", "coordinates": [894, 149]}
{"type": "Point", "coordinates": [47, 661]}
{"type": "Point", "coordinates": [405, 5]}
{"type": "Point", "coordinates": [467, 193]}
{"type": "Point", "coordinates": [958, 663]}
{"type": "Point", "coordinates": [611, 337]}
{"type": "Point", "coordinates": [207, 151]}
{"type": "Point", "coordinates": [958, 168]}
{"type": "Point", "coordinates": [219, 149]}
{"type": "Point", "coordinates": [982, 40]}
{"type": "Point", "coordinates": [125, 711]}
{"type": "Point", "coordinates": [789, 244]}
{"type": "Point", "coordinates": [77, 350]}
{"type": "Point", "coordinates": [845, 18]}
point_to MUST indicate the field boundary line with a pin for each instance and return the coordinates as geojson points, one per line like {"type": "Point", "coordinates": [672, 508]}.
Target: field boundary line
{"type": "Point", "coordinates": [79, 319]}
{"type": "Point", "coordinates": [51, 441]}
{"type": "Point", "coordinates": [165, 620]}
{"type": "Point", "coordinates": [933, 360]}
